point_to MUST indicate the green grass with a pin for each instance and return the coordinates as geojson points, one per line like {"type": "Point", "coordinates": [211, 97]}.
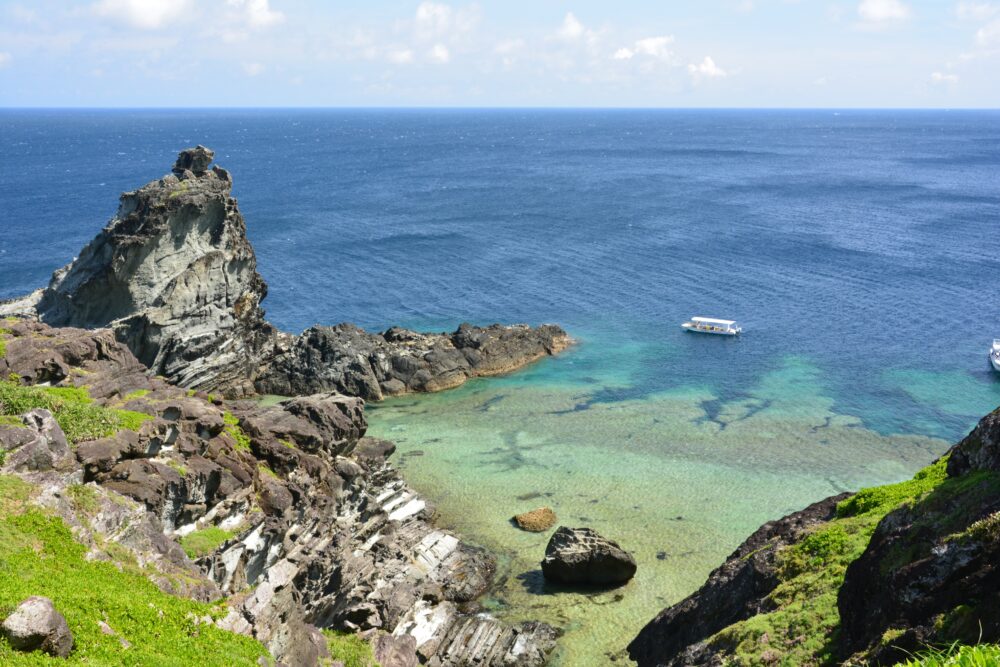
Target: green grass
{"type": "Point", "coordinates": [83, 497]}
{"type": "Point", "coordinates": [350, 649]}
{"type": "Point", "coordinates": [138, 393]}
{"type": "Point", "coordinates": [237, 433]}
{"type": "Point", "coordinates": [265, 469]}
{"type": "Point", "coordinates": [3, 341]}
{"type": "Point", "coordinates": [801, 629]}
{"type": "Point", "coordinates": [38, 556]}
{"type": "Point", "coordinates": [982, 655]}
{"type": "Point", "coordinates": [203, 542]}
{"type": "Point", "coordinates": [78, 416]}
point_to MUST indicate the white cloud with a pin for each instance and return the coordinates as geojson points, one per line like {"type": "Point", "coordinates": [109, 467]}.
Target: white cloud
{"type": "Point", "coordinates": [883, 11]}
{"type": "Point", "coordinates": [989, 34]}
{"type": "Point", "coordinates": [4, 59]}
{"type": "Point", "coordinates": [400, 57]}
{"type": "Point", "coordinates": [976, 11]}
{"type": "Point", "coordinates": [439, 54]}
{"type": "Point", "coordinates": [432, 20]}
{"type": "Point", "coordinates": [258, 13]}
{"type": "Point", "coordinates": [571, 28]}
{"type": "Point", "coordinates": [939, 78]}
{"type": "Point", "coordinates": [143, 14]}
{"type": "Point", "coordinates": [653, 47]}
{"type": "Point", "coordinates": [706, 69]}
{"type": "Point", "coordinates": [252, 69]}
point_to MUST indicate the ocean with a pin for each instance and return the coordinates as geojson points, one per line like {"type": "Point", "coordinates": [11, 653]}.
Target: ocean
{"type": "Point", "coordinates": [855, 248]}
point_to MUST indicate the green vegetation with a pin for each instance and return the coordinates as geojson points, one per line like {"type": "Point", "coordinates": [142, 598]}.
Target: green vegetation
{"type": "Point", "coordinates": [177, 466]}
{"type": "Point", "coordinates": [203, 542]}
{"type": "Point", "coordinates": [38, 556]}
{"type": "Point", "coordinates": [78, 416]}
{"type": "Point", "coordinates": [983, 655]}
{"type": "Point", "coordinates": [138, 393]}
{"type": "Point", "coordinates": [265, 469]}
{"type": "Point", "coordinates": [288, 443]}
{"type": "Point", "coordinates": [3, 341]}
{"type": "Point", "coordinates": [803, 626]}
{"type": "Point", "coordinates": [11, 420]}
{"type": "Point", "coordinates": [234, 430]}
{"type": "Point", "coordinates": [83, 497]}
{"type": "Point", "coordinates": [350, 649]}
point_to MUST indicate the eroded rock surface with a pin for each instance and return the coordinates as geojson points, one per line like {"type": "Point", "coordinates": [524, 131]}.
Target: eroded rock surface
{"type": "Point", "coordinates": [319, 530]}
{"type": "Point", "coordinates": [581, 556]}
{"type": "Point", "coordinates": [174, 276]}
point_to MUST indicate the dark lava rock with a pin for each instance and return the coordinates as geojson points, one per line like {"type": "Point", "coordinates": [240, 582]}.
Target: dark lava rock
{"type": "Point", "coordinates": [35, 625]}
{"type": "Point", "coordinates": [581, 556]}
{"type": "Point", "coordinates": [37, 446]}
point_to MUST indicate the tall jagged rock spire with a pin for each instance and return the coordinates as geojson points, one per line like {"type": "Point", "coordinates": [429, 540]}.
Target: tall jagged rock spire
{"type": "Point", "coordinates": [175, 277]}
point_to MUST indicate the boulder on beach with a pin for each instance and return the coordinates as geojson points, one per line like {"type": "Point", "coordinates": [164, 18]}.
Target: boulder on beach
{"type": "Point", "coordinates": [581, 556]}
{"type": "Point", "coordinates": [537, 520]}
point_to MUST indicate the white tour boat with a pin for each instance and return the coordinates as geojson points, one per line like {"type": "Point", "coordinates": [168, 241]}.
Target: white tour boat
{"type": "Point", "coordinates": [711, 325]}
{"type": "Point", "coordinates": [995, 354]}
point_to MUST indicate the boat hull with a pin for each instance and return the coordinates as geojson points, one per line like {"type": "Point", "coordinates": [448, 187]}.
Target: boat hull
{"type": "Point", "coordinates": [708, 331]}
{"type": "Point", "coordinates": [995, 362]}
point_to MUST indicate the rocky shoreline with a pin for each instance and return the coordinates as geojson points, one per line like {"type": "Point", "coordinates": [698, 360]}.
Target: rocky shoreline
{"type": "Point", "coordinates": [316, 528]}
{"type": "Point", "coordinates": [175, 277]}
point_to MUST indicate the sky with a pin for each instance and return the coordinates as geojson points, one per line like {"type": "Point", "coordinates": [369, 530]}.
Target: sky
{"type": "Point", "coordinates": [505, 53]}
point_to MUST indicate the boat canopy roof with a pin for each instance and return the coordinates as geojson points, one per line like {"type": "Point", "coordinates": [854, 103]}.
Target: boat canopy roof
{"type": "Point", "coordinates": [712, 320]}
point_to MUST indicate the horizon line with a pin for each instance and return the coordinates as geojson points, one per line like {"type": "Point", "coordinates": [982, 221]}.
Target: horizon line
{"type": "Point", "coordinates": [418, 107]}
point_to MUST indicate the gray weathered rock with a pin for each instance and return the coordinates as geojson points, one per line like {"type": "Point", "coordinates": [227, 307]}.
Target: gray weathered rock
{"type": "Point", "coordinates": [175, 277]}
{"type": "Point", "coordinates": [38, 446]}
{"type": "Point", "coordinates": [581, 556]}
{"type": "Point", "coordinates": [324, 533]}
{"type": "Point", "coordinates": [35, 625]}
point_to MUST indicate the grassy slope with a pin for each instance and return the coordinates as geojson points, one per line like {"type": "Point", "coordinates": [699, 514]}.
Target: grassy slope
{"type": "Point", "coordinates": [38, 556]}
{"type": "Point", "coordinates": [802, 628]}
{"type": "Point", "coordinates": [77, 414]}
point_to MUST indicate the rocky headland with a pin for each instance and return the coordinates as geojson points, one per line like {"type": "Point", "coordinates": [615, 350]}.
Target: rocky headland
{"type": "Point", "coordinates": [174, 276]}
{"type": "Point", "coordinates": [288, 513]}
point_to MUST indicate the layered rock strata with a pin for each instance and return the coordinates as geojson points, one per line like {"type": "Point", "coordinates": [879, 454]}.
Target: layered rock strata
{"type": "Point", "coordinates": [317, 528]}
{"type": "Point", "coordinates": [174, 276]}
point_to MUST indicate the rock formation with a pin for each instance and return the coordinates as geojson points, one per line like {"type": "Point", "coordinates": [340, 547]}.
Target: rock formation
{"type": "Point", "coordinates": [928, 575]}
{"type": "Point", "coordinates": [931, 572]}
{"type": "Point", "coordinates": [317, 529]}
{"type": "Point", "coordinates": [35, 625]}
{"type": "Point", "coordinates": [581, 556]}
{"type": "Point", "coordinates": [350, 360]}
{"type": "Point", "coordinates": [174, 276]}
{"type": "Point", "coordinates": [735, 591]}
{"type": "Point", "coordinates": [537, 520]}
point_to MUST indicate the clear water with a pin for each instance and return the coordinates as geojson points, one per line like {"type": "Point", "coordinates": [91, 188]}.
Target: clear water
{"type": "Point", "coordinates": [854, 247]}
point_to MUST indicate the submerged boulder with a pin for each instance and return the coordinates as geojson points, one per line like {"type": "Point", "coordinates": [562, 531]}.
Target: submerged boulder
{"type": "Point", "coordinates": [537, 520]}
{"type": "Point", "coordinates": [35, 625]}
{"type": "Point", "coordinates": [581, 556]}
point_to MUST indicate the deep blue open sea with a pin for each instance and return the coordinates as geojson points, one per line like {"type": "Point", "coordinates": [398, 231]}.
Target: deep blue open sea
{"type": "Point", "coordinates": [856, 248]}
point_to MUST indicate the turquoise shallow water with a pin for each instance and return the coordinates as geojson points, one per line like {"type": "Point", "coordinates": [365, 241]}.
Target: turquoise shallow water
{"type": "Point", "coordinates": [854, 246]}
{"type": "Point", "coordinates": [679, 477]}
